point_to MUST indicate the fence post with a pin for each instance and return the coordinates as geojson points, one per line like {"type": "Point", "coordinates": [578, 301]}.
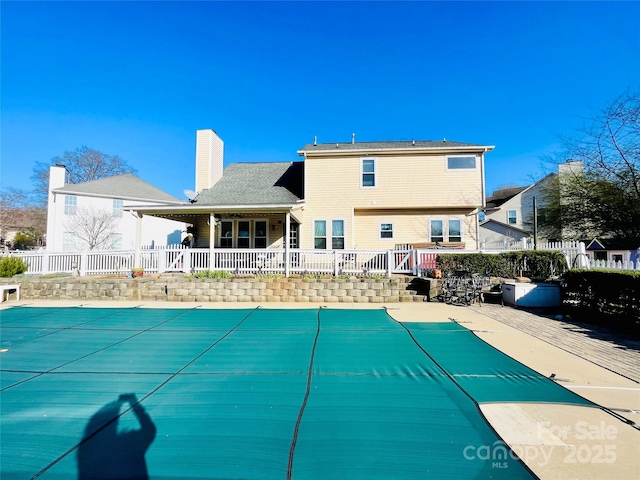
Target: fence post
{"type": "Point", "coordinates": [186, 260]}
{"type": "Point", "coordinates": [162, 260]}
{"type": "Point", "coordinates": [45, 263]}
{"type": "Point", "coordinates": [84, 260]}
{"type": "Point", "coordinates": [390, 258]}
{"type": "Point", "coordinates": [335, 263]}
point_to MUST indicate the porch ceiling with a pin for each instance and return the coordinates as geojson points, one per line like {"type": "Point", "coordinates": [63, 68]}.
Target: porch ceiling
{"type": "Point", "coordinates": [191, 213]}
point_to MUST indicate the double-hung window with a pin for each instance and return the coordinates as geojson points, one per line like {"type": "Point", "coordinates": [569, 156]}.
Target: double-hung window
{"type": "Point", "coordinates": [455, 230]}
{"type": "Point", "coordinates": [116, 241]}
{"type": "Point", "coordinates": [386, 230]}
{"type": "Point", "coordinates": [117, 208]}
{"type": "Point", "coordinates": [244, 234]}
{"type": "Point", "coordinates": [226, 234]}
{"type": "Point", "coordinates": [436, 231]}
{"type": "Point", "coordinates": [68, 242]}
{"type": "Point", "coordinates": [512, 217]}
{"type": "Point", "coordinates": [337, 234]}
{"type": "Point", "coordinates": [70, 204]}
{"type": "Point", "coordinates": [368, 172]}
{"type": "Point", "coordinates": [260, 234]}
{"type": "Point", "coordinates": [320, 234]}
{"type": "Point", "coordinates": [452, 233]}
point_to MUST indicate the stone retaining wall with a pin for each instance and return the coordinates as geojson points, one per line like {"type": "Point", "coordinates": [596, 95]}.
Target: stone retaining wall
{"type": "Point", "coordinates": [180, 289]}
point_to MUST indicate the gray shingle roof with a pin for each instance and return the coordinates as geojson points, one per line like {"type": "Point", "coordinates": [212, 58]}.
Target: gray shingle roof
{"type": "Point", "coordinates": [392, 145]}
{"type": "Point", "coordinates": [125, 186]}
{"type": "Point", "coordinates": [257, 184]}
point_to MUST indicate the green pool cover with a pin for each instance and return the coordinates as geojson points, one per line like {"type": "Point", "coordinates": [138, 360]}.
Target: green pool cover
{"type": "Point", "coordinates": [252, 394]}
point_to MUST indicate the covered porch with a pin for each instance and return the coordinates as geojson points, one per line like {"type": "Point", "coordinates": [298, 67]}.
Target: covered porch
{"type": "Point", "coordinates": [241, 238]}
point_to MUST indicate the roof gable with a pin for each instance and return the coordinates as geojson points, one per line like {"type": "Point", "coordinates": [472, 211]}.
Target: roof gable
{"type": "Point", "coordinates": [125, 186]}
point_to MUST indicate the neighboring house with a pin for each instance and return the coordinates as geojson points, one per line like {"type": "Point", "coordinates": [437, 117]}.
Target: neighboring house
{"type": "Point", "coordinates": [509, 211]}
{"type": "Point", "coordinates": [609, 250]}
{"type": "Point", "coordinates": [101, 208]}
{"type": "Point", "coordinates": [370, 195]}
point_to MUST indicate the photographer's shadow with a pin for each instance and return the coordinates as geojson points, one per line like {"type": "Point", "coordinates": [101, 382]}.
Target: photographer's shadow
{"type": "Point", "coordinates": [106, 453]}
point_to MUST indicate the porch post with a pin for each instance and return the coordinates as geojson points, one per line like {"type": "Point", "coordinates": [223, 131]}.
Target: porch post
{"type": "Point", "coordinates": [287, 232]}
{"type": "Point", "coordinates": [212, 238]}
{"type": "Point", "coordinates": [137, 256]}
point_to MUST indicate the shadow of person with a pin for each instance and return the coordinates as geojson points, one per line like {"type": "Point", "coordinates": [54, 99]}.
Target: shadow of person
{"type": "Point", "coordinates": [107, 453]}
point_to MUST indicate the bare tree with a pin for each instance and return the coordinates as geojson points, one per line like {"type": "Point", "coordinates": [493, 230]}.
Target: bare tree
{"type": "Point", "coordinates": [604, 200]}
{"type": "Point", "coordinates": [84, 164]}
{"type": "Point", "coordinates": [93, 227]}
{"type": "Point", "coordinates": [19, 213]}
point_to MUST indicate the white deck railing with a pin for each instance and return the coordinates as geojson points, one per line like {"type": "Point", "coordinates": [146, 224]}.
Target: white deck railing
{"type": "Point", "coordinates": [255, 261]}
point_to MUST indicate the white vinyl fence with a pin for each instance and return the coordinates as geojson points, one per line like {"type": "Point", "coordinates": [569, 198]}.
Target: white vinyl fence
{"type": "Point", "coordinates": [255, 261]}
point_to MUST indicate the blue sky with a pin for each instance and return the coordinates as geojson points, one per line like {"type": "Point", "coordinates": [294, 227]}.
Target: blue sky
{"type": "Point", "coordinates": [138, 79]}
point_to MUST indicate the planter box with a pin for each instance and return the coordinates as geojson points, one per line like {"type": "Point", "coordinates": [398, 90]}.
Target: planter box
{"type": "Point", "coordinates": [531, 294]}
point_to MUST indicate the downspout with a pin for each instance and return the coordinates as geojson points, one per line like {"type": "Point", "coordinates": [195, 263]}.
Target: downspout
{"type": "Point", "coordinates": [484, 202]}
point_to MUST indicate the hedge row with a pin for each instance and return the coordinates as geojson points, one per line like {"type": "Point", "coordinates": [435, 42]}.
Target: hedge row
{"type": "Point", "coordinates": [533, 263]}
{"type": "Point", "coordinates": [603, 297]}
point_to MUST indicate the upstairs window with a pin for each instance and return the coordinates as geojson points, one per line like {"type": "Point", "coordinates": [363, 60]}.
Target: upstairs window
{"type": "Point", "coordinates": [368, 172]}
{"type": "Point", "coordinates": [70, 204]}
{"type": "Point", "coordinates": [461, 163]}
{"type": "Point", "coordinates": [512, 217]}
{"type": "Point", "coordinates": [117, 208]}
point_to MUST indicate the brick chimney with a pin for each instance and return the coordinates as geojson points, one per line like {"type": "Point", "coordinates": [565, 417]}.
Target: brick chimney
{"type": "Point", "coordinates": [209, 159]}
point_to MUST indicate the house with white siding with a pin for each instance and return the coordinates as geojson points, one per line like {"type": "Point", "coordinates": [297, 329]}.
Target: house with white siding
{"type": "Point", "coordinates": [98, 214]}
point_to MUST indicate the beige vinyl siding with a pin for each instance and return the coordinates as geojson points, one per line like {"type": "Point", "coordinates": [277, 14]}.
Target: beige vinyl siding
{"type": "Point", "coordinates": [408, 227]}
{"type": "Point", "coordinates": [333, 191]}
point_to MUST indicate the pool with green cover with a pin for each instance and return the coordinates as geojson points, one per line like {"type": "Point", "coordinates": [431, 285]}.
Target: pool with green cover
{"type": "Point", "coordinates": [195, 393]}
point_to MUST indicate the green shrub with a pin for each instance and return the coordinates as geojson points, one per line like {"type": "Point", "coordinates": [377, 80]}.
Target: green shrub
{"type": "Point", "coordinates": [603, 297]}
{"type": "Point", "coordinates": [211, 274]}
{"type": "Point", "coordinates": [25, 239]}
{"type": "Point", "coordinates": [531, 263]}
{"type": "Point", "coordinates": [10, 266]}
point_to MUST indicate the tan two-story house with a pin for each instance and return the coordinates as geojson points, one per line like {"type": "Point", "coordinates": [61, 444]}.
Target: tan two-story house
{"type": "Point", "coordinates": [353, 195]}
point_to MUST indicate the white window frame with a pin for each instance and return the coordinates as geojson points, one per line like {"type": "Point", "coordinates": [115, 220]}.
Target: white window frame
{"type": "Point", "coordinates": [118, 205]}
{"type": "Point", "coordinates": [70, 204]}
{"type": "Point", "coordinates": [266, 232]}
{"type": "Point", "coordinates": [448, 235]}
{"type": "Point", "coordinates": [443, 232]}
{"type": "Point", "coordinates": [448, 157]}
{"type": "Point", "coordinates": [69, 242]}
{"type": "Point", "coordinates": [326, 231]}
{"type": "Point", "coordinates": [380, 231]}
{"type": "Point", "coordinates": [515, 217]}
{"type": "Point", "coordinates": [115, 241]}
{"type": "Point", "coordinates": [374, 173]}
{"type": "Point", "coordinates": [232, 233]}
{"type": "Point", "coordinates": [343, 236]}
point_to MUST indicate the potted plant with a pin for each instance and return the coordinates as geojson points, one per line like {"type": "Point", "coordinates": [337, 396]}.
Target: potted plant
{"type": "Point", "coordinates": [137, 272]}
